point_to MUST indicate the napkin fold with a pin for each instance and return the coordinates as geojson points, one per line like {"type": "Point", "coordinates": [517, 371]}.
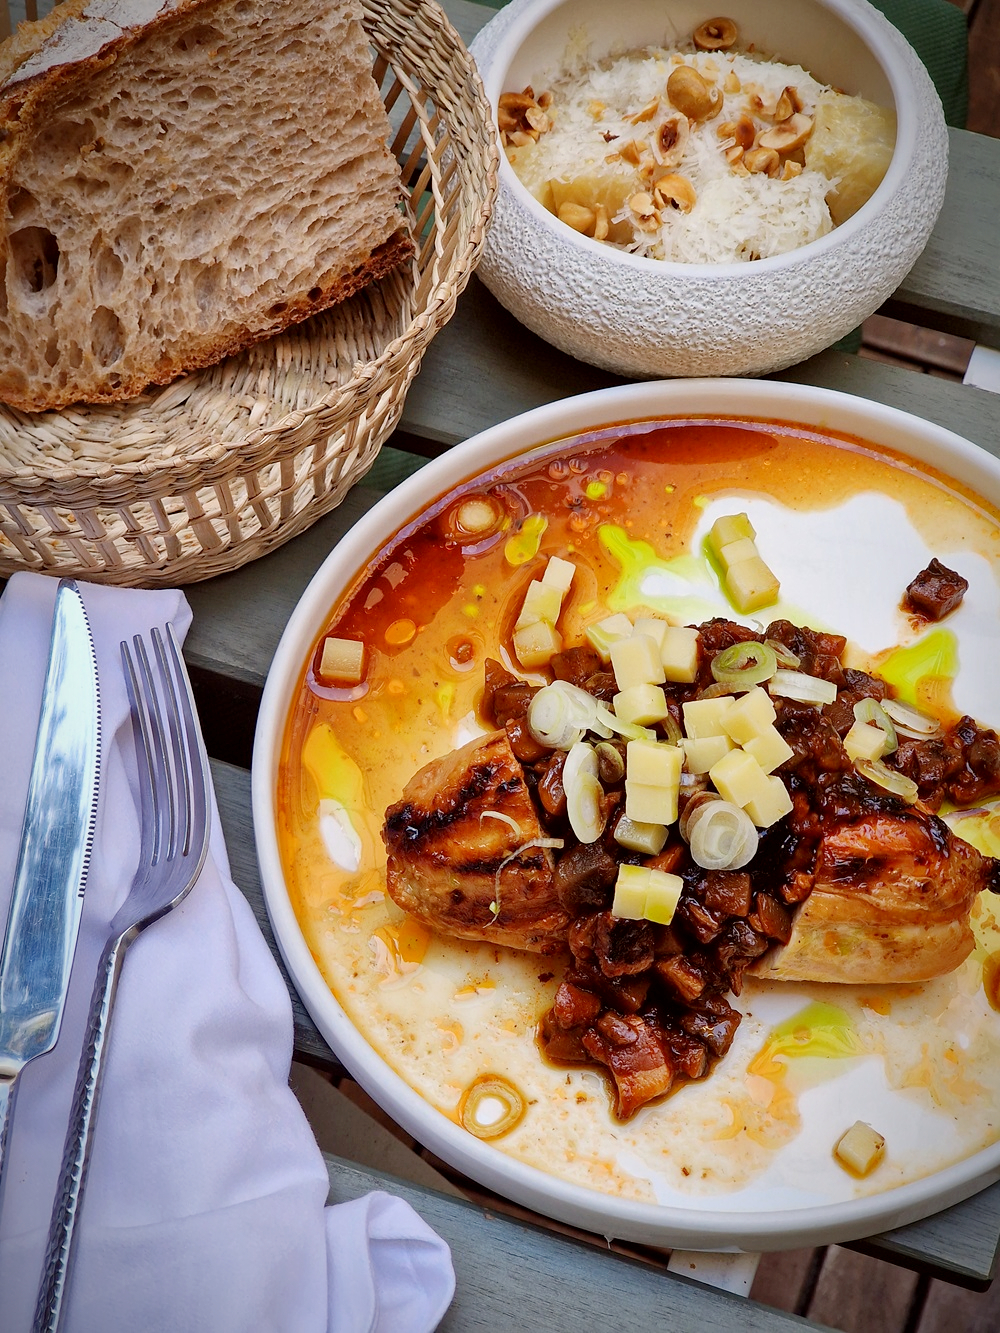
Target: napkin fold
{"type": "Point", "coordinates": [206, 1197]}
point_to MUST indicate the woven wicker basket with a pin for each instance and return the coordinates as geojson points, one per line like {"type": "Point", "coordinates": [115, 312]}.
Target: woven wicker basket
{"type": "Point", "coordinates": [224, 465]}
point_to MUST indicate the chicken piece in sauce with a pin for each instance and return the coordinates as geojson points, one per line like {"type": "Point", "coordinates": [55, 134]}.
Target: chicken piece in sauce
{"type": "Point", "coordinates": [463, 851]}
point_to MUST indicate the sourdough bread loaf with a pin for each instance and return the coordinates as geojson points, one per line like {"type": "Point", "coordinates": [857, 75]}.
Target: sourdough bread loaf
{"type": "Point", "coordinates": [179, 180]}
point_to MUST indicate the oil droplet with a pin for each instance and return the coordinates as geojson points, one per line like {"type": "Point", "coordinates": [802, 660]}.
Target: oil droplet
{"type": "Point", "coordinates": [670, 586]}
{"type": "Point", "coordinates": [923, 672]}
{"type": "Point", "coordinates": [523, 546]}
{"type": "Point", "coordinates": [336, 775]}
{"type": "Point", "coordinates": [400, 632]}
{"type": "Point", "coordinates": [819, 1031]}
{"type": "Point", "coordinates": [400, 947]}
{"type": "Point", "coordinates": [991, 979]}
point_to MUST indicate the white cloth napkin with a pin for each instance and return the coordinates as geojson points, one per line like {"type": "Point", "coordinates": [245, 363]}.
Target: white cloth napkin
{"type": "Point", "coordinates": [205, 1205]}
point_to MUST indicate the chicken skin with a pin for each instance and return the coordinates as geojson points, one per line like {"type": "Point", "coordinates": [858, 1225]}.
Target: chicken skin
{"type": "Point", "coordinates": [464, 853]}
{"type": "Point", "coordinates": [889, 899]}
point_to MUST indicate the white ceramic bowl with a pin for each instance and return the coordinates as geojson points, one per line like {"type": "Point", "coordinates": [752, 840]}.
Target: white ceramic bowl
{"type": "Point", "coordinates": [706, 1226]}
{"type": "Point", "coordinates": [642, 317]}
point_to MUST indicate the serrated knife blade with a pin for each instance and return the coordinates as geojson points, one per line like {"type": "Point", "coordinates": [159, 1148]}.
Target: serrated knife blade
{"type": "Point", "coordinates": [56, 839]}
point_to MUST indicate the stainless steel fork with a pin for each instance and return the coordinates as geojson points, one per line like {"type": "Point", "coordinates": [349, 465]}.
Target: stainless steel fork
{"type": "Point", "coordinates": [174, 814]}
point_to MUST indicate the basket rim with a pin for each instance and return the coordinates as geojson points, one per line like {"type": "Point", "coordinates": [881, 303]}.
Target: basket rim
{"type": "Point", "coordinates": [21, 483]}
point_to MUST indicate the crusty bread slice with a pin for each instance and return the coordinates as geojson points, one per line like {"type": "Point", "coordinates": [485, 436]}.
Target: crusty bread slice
{"type": "Point", "coordinates": [180, 180]}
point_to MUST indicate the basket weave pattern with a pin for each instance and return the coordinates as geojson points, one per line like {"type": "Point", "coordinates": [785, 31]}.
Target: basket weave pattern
{"type": "Point", "coordinates": [223, 465]}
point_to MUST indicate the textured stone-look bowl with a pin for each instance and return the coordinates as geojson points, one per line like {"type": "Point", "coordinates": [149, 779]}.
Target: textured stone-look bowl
{"type": "Point", "coordinates": [644, 317]}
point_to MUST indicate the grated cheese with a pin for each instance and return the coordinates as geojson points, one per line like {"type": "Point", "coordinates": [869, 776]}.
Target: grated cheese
{"type": "Point", "coordinates": [736, 215]}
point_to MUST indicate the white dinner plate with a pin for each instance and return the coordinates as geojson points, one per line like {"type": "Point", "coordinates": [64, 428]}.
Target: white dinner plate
{"type": "Point", "coordinates": [751, 1187]}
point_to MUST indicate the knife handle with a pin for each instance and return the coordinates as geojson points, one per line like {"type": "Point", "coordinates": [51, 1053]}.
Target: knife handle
{"type": "Point", "coordinates": [76, 1153]}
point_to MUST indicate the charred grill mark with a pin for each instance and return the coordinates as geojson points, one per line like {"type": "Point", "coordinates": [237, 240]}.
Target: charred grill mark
{"type": "Point", "coordinates": [410, 824]}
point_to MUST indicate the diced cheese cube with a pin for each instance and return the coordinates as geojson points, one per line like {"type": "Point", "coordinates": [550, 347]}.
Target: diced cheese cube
{"type": "Point", "coordinates": [630, 892]}
{"type": "Point", "coordinates": [700, 755]}
{"type": "Point", "coordinates": [559, 573]}
{"type": "Point", "coordinates": [861, 1148]}
{"type": "Point", "coordinates": [541, 602]}
{"type": "Point", "coordinates": [750, 715]}
{"type": "Point", "coordinates": [703, 717]}
{"type": "Point", "coordinates": [653, 626]}
{"type": "Point", "coordinates": [535, 645]}
{"type": "Point", "coordinates": [640, 704]}
{"type": "Point", "coordinates": [653, 762]}
{"type": "Point", "coordinates": [647, 804]}
{"type": "Point", "coordinates": [772, 805]}
{"type": "Point", "coordinates": [864, 741]}
{"type": "Point", "coordinates": [770, 749]}
{"type": "Point", "coordinates": [679, 653]}
{"type": "Point", "coordinates": [662, 896]}
{"type": "Point", "coordinates": [603, 633]}
{"type": "Point", "coordinates": [737, 777]}
{"type": "Point", "coordinates": [736, 552]}
{"type": "Point", "coordinates": [751, 585]}
{"type": "Point", "coordinates": [636, 837]}
{"type": "Point", "coordinates": [728, 529]}
{"type": "Point", "coordinates": [342, 660]}
{"type": "Point", "coordinates": [636, 661]}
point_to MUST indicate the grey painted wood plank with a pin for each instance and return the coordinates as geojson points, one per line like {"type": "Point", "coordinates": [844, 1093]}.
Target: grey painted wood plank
{"type": "Point", "coordinates": [959, 1244]}
{"type": "Point", "coordinates": [484, 367]}
{"type": "Point", "coordinates": [511, 1276]}
{"type": "Point", "coordinates": [955, 284]}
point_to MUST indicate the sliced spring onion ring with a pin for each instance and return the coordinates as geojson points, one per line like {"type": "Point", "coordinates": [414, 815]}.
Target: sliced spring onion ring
{"type": "Point", "coordinates": [610, 763]}
{"type": "Point", "coordinates": [870, 711]}
{"type": "Point", "coordinates": [614, 725]}
{"type": "Point", "coordinates": [910, 722]}
{"type": "Point", "coordinates": [721, 836]}
{"type": "Point", "coordinates": [583, 792]}
{"type": "Point", "coordinates": [672, 729]}
{"type": "Point", "coordinates": [798, 685]}
{"type": "Point", "coordinates": [561, 714]}
{"type": "Point", "coordinates": [694, 802]}
{"type": "Point", "coordinates": [888, 778]}
{"type": "Point", "coordinates": [503, 817]}
{"type": "Point", "coordinates": [785, 657]}
{"type": "Point", "coordinates": [714, 691]}
{"type": "Point", "coordinates": [743, 665]}
{"type": "Point", "coordinates": [553, 843]}
{"type": "Point", "coordinates": [491, 1106]}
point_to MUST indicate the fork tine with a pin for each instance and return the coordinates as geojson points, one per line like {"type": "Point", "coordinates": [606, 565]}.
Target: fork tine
{"type": "Point", "coordinates": [142, 730]}
{"type": "Point", "coordinates": [180, 824]}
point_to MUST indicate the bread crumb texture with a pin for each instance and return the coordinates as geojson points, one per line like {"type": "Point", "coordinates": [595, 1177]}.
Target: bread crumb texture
{"type": "Point", "coordinates": [197, 183]}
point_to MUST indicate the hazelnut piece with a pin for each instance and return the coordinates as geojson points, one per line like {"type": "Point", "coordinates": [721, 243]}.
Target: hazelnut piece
{"type": "Point", "coordinates": [675, 191]}
{"type": "Point", "coordinates": [715, 35]}
{"type": "Point", "coordinates": [692, 95]}
{"type": "Point", "coordinates": [789, 135]}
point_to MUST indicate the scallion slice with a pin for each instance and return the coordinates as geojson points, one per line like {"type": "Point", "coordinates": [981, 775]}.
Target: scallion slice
{"type": "Point", "coordinates": [721, 836]}
{"type": "Point", "coordinates": [744, 665]}
{"type": "Point", "coordinates": [798, 685]}
{"type": "Point", "coordinates": [910, 722]}
{"type": "Point", "coordinates": [872, 712]}
{"type": "Point", "coordinates": [890, 779]}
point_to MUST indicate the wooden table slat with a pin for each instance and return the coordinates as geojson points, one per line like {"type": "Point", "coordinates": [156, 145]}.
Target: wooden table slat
{"type": "Point", "coordinates": [561, 1285]}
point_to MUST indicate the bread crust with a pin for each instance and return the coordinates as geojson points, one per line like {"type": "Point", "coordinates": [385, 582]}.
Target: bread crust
{"type": "Point", "coordinates": [39, 81]}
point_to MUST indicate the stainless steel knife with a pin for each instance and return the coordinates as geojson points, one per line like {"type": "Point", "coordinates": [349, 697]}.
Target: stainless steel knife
{"type": "Point", "coordinates": [56, 839]}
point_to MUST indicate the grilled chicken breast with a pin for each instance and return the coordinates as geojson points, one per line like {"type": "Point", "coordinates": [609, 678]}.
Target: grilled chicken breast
{"type": "Point", "coordinates": [890, 900]}
{"type": "Point", "coordinates": [464, 853]}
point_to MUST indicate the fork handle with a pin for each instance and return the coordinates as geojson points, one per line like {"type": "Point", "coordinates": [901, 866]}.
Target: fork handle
{"type": "Point", "coordinates": [76, 1152]}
